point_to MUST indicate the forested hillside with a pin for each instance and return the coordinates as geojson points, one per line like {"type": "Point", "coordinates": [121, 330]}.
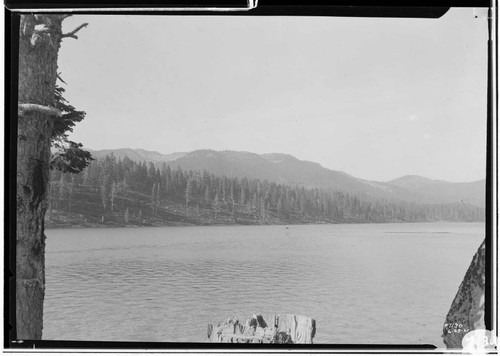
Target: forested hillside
{"type": "Point", "coordinates": [287, 169]}
{"type": "Point", "coordinates": [120, 192]}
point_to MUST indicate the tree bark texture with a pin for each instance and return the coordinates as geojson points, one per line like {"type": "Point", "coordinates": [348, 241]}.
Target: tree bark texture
{"type": "Point", "coordinates": [39, 42]}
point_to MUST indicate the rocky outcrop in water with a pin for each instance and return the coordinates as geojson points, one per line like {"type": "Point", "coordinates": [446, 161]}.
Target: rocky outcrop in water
{"type": "Point", "coordinates": [270, 329]}
{"type": "Point", "coordinates": [467, 310]}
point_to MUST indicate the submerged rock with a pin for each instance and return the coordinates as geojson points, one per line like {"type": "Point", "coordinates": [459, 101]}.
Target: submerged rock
{"type": "Point", "coordinates": [467, 310]}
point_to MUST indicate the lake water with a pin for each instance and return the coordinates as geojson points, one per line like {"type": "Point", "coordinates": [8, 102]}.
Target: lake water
{"type": "Point", "coordinates": [371, 283]}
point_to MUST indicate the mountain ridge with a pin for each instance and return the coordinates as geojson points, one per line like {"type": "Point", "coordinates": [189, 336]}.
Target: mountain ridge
{"type": "Point", "coordinates": [285, 168]}
{"type": "Point", "coordinates": [136, 154]}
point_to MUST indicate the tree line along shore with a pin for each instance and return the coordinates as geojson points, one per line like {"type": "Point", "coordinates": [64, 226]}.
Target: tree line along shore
{"type": "Point", "coordinates": [122, 192]}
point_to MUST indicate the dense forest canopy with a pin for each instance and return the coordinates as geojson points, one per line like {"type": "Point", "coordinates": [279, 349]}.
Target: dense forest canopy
{"type": "Point", "coordinates": [120, 192]}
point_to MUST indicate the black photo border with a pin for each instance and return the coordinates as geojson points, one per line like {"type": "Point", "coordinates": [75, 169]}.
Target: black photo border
{"type": "Point", "coordinates": [402, 9]}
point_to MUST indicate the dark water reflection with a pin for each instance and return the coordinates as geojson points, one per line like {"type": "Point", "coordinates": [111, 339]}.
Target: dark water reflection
{"type": "Point", "coordinates": [385, 283]}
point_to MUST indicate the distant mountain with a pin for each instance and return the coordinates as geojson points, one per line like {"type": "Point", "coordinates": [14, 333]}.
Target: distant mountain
{"type": "Point", "coordinates": [446, 192]}
{"type": "Point", "coordinates": [284, 168]}
{"type": "Point", "coordinates": [137, 155]}
{"type": "Point", "coordinates": [281, 168]}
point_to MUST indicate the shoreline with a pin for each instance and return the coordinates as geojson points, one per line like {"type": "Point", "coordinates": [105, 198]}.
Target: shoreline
{"type": "Point", "coordinates": [186, 224]}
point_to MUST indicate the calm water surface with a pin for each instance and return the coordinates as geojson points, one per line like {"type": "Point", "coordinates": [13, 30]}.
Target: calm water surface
{"type": "Point", "coordinates": [372, 283]}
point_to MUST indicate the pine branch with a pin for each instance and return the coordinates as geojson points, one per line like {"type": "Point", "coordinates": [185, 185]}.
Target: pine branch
{"type": "Point", "coordinates": [72, 34]}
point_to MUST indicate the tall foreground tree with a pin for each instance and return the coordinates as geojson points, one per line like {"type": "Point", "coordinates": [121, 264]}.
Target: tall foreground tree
{"type": "Point", "coordinates": [39, 42]}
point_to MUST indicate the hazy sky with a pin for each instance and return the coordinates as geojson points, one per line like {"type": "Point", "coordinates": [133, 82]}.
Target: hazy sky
{"type": "Point", "coordinates": [376, 98]}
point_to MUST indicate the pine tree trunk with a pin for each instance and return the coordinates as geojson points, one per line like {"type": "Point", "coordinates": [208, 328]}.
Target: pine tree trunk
{"type": "Point", "coordinates": [38, 50]}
